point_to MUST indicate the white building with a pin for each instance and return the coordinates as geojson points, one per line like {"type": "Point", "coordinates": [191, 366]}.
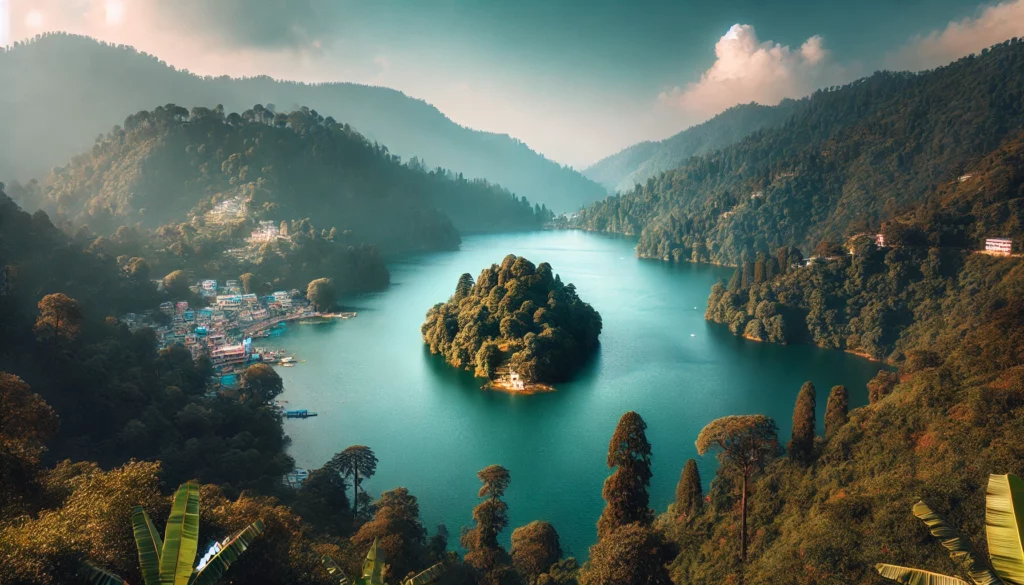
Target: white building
{"type": "Point", "coordinates": [999, 246]}
{"type": "Point", "coordinates": [880, 240]}
{"type": "Point", "coordinates": [267, 231]}
{"type": "Point", "coordinates": [515, 381]}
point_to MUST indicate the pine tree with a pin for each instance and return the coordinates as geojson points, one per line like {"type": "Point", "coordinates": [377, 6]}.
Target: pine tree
{"type": "Point", "coordinates": [836, 410]}
{"type": "Point", "coordinates": [801, 445]}
{"type": "Point", "coordinates": [625, 490]}
{"type": "Point", "coordinates": [491, 563]}
{"type": "Point", "coordinates": [689, 494]}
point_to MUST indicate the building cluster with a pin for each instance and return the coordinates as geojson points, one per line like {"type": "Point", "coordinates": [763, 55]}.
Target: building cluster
{"type": "Point", "coordinates": [999, 246]}
{"type": "Point", "coordinates": [267, 231]}
{"type": "Point", "coordinates": [228, 211]}
{"type": "Point", "coordinates": [223, 330]}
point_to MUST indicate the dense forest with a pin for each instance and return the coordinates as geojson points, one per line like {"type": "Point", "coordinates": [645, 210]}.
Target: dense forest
{"type": "Point", "coordinates": [168, 164]}
{"type": "Point", "coordinates": [849, 159]}
{"type": "Point", "coordinates": [622, 171]}
{"type": "Point", "coordinates": [514, 316]}
{"type": "Point", "coordinates": [62, 90]}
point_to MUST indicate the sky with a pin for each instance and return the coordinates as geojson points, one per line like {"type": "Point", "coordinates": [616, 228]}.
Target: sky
{"type": "Point", "coordinates": [576, 80]}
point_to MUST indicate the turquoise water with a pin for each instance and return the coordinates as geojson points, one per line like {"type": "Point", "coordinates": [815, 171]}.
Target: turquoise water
{"type": "Point", "coordinates": [372, 382]}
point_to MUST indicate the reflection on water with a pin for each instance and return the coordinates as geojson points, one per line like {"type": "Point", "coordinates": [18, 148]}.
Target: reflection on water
{"type": "Point", "coordinates": [374, 383]}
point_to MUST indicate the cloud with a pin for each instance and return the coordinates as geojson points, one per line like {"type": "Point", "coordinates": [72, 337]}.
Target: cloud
{"type": "Point", "coordinates": [993, 24]}
{"type": "Point", "coordinates": [747, 70]}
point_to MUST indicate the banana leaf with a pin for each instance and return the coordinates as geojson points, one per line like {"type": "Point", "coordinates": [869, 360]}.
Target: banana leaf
{"type": "Point", "coordinates": [428, 576]}
{"type": "Point", "coordinates": [97, 576]}
{"type": "Point", "coordinates": [960, 549]}
{"type": "Point", "coordinates": [181, 538]}
{"type": "Point", "coordinates": [909, 576]}
{"type": "Point", "coordinates": [334, 570]}
{"type": "Point", "coordinates": [232, 548]}
{"type": "Point", "coordinates": [373, 568]}
{"type": "Point", "coordinates": [147, 540]}
{"type": "Point", "coordinates": [1003, 523]}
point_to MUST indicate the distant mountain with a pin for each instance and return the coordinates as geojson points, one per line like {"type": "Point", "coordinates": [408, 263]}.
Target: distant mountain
{"type": "Point", "coordinates": [846, 161]}
{"type": "Point", "coordinates": [60, 91]}
{"type": "Point", "coordinates": [171, 165]}
{"type": "Point", "coordinates": [634, 165]}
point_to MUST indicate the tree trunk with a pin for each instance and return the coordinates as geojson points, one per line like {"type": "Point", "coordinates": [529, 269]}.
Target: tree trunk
{"type": "Point", "coordinates": [355, 493]}
{"type": "Point", "coordinates": [743, 522]}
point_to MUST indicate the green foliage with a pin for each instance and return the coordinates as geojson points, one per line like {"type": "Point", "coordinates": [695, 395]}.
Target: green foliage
{"type": "Point", "coordinates": [634, 554]}
{"type": "Point", "coordinates": [634, 165]}
{"type": "Point", "coordinates": [374, 567]}
{"type": "Point", "coordinates": [515, 315]}
{"type": "Point", "coordinates": [42, 73]}
{"type": "Point", "coordinates": [801, 445]}
{"type": "Point", "coordinates": [535, 548]}
{"type": "Point", "coordinates": [322, 293]}
{"type": "Point", "coordinates": [117, 397]}
{"type": "Point", "coordinates": [836, 410]}
{"type": "Point", "coordinates": [166, 164]}
{"type": "Point", "coordinates": [487, 559]}
{"type": "Point", "coordinates": [846, 160]}
{"type": "Point", "coordinates": [625, 490]}
{"type": "Point", "coordinates": [261, 384]}
{"type": "Point", "coordinates": [357, 462]}
{"type": "Point", "coordinates": [689, 492]}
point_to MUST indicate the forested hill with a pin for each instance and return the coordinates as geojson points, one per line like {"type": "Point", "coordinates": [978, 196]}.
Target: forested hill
{"type": "Point", "coordinates": [851, 158]}
{"type": "Point", "coordinates": [631, 166]}
{"type": "Point", "coordinates": [60, 91]}
{"type": "Point", "coordinates": [170, 164]}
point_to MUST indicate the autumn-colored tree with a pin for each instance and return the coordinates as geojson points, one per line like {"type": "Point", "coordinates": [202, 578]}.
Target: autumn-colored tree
{"type": "Point", "coordinates": [535, 547]}
{"type": "Point", "coordinates": [745, 444]}
{"type": "Point", "coordinates": [261, 384]}
{"type": "Point", "coordinates": [248, 281]}
{"type": "Point", "coordinates": [357, 462]}
{"type": "Point", "coordinates": [882, 385]}
{"type": "Point", "coordinates": [625, 490]}
{"type": "Point", "coordinates": [836, 410]}
{"type": "Point", "coordinates": [176, 284]}
{"type": "Point", "coordinates": [634, 554]}
{"type": "Point", "coordinates": [485, 555]}
{"type": "Point", "coordinates": [396, 523]}
{"type": "Point", "coordinates": [689, 493]}
{"type": "Point", "coordinates": [26, 423]}
{"type": "Point", "coordinates": [464, 286]}
{"type": "Point", "coordinates": [60, 317]}
{"type": "Point", "coordinates": [321, 293]}
{"type": "Point", "coordinates": [801, 444]}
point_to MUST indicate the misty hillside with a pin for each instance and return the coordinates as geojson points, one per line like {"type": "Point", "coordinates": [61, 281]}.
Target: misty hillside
{"type": "Point", "coordinates": [171, 165]}
{"type": "Point", "coordinates": [846, 161]}
{"type": "Point", "coordinates": [634, 165]}
{"type": "Point", "coordinates": [61, 91]}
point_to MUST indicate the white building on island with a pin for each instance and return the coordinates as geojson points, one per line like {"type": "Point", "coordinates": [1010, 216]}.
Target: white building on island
{"type": "Point", "coordinates": [515, 382]}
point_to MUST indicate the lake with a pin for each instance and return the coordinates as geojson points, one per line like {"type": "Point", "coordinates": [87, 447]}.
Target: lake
{"type": "Point", "coordinates": [373, 382]}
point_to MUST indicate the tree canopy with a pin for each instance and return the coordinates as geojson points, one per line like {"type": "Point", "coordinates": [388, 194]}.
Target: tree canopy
{"type": "Point", "coordinates": [516, 316]}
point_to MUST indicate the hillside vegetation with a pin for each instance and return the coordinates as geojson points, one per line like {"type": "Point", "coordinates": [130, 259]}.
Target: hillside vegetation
{"type": "Point", "coordinates": [634, 165]}
{"type": "Point", "coordinates": [847, 160]}
{"type": "Point", "coordinates": [60, 91]}
{"type": "Point", "coordinates": [170, 164]}
{"type": "Point", "coordinates": [515, 316]}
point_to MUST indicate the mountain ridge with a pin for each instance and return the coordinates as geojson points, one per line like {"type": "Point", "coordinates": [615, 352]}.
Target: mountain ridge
{"type": "Point", "coordinates": [88, 86]}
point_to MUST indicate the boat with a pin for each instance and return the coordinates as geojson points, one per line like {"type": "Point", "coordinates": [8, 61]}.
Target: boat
{"type": "Point", "coordinates": [288, 364]}
{"type": "Point", "coordinates": [287, 361]}
{"type": "Point", "coordinates": [303, 413]}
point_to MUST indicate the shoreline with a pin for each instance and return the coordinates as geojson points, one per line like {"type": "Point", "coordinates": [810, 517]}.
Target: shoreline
{"type": "Point", "coordinates": [860, 354]}
{"type": "Point", "coordinates": [529, 389]}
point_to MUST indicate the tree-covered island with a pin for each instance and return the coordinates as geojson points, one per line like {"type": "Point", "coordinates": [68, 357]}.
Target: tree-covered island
{"type": "Point", "coordinates": [517, 325]}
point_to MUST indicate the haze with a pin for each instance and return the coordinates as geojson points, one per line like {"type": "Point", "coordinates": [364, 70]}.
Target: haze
{"type": "Point", "coordinates": [575, 80]}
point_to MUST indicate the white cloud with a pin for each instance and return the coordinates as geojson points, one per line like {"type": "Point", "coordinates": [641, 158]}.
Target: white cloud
{"type": "Point", "coordinates": [993, 24]}
{"type": "Point", "coordinates": [748, 70]}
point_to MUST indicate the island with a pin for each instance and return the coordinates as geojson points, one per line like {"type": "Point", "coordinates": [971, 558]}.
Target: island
{"type": "Point", "coordinates": [517, 325]}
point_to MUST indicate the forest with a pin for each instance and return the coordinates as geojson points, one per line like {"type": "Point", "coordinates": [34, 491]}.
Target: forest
{"type": "Point", "coordinates": [96, 421]}
{"type": "Point", "coordinates": [847, 160]}
{"type": "Point", "coordinates": [171, 164]}
{"type": "Point", "coordinates": [622, 171]}
{"type": "Point", "coordinates": [63, 89]}
{"type": "Point", "coordinates": [514, 316]}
